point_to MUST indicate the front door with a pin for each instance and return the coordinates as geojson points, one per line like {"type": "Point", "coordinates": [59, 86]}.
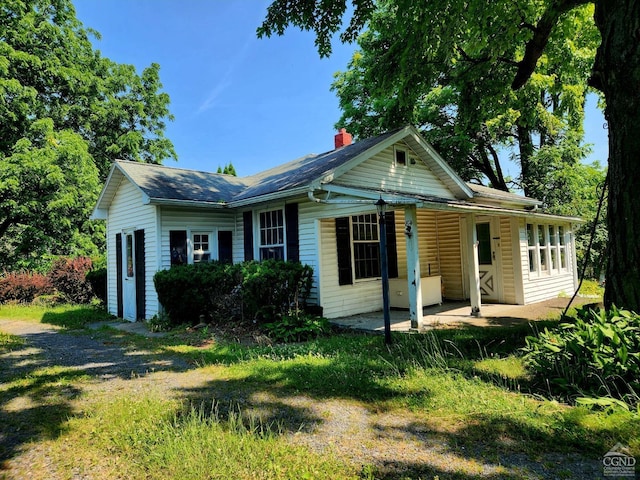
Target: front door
{"type": "Point", "coordinates": [488, 248]}
{"type": "Point", "coordinates": [128, 277]}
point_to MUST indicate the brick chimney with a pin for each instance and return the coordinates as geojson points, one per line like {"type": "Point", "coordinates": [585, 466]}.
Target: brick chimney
{"type": "Point", "coordinates": [342, 139]}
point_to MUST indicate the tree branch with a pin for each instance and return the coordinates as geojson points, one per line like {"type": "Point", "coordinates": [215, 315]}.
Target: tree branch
{"type": "Point", "coordinates": [541, 33]}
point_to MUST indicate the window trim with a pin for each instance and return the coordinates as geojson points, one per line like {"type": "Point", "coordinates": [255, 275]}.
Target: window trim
{"type": "Point", "coordinates": [550, 246]}
{"type": "Point", "coordinates": [353, 242]}
{"type": "Point", "coordinates": [194, 252]}
{"type": "Point", "coordinates": [399, 149]}
{"type": "Point", "coordinates": [258, 233]}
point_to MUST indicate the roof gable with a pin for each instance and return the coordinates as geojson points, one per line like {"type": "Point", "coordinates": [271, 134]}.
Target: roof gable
{"type": "Point", "coordinates": [176, 186]}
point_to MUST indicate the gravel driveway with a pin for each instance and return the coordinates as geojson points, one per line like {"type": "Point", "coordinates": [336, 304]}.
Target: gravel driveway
{"type": "Point", "coordinates": [392, 441]}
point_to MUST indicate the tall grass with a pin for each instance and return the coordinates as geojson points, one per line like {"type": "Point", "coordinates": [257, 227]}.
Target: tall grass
{"type": "Point", "coordinates": [158, 439]}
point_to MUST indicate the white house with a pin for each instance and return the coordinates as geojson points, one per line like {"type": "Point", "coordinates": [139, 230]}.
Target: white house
{"type": "Point", "coordinates": [446, 238]}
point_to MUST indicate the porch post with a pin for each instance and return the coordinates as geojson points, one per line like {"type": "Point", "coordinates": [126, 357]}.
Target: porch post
{"type": "Point", "coordinates": [413, 266]}
{"type": "Point", "coordinates": [474, 271]}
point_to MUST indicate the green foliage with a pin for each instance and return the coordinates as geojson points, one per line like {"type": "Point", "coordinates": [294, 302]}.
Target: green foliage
{"type": "Point", "coordinates": [227, 170]}
{"type": "Point", "coordinates": [97, 278]}
{"type": "Point", "coordinates": [258, 291]}
{"type": "Point", "coordinates": [597, 354]}
{"type": "Point", "coordinates": [66, 113]}
{"type": "Point", "coordinates": [297, 328]}
{"type": "Point", "coordinates": [23, 287]}
{"type": "Point", "coordinates": [69, 277]}
{"type": "Point", "coordinates": [188, 291]}
{"type": "Point", "coordinates": [272, 289]}
{"type": "Point", "coordinates": [417, 65]}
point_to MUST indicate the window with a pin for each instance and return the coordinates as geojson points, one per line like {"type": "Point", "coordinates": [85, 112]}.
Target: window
{"type": "Point", "coordinates": [129, 253]}
{"type": "Point", "coordinates": [483, 233]}
{"type": "Point", "coordinates": [562, 248]}
{"type": "Point", "coordinates": [201, 247]}
{"type": "Point", "coordinates": [400, 157]}
{"type": "Point", "coordinates": [272, 239]}
{"type": "Point", "coordinates": [546, 245]}
{"type": "Point", "coordinates": [358, 247]}
{"type": "Point", "coordinates": [533, 251]}
{"type": "Point", "coordinates": [366, 246]}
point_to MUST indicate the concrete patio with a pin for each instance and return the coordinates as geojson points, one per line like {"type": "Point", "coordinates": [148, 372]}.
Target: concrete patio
{"type": "Point", "coordinates": [457, 314]}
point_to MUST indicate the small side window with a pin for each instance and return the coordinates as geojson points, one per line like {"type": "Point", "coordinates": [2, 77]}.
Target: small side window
{"type": "Point", "coordinates": [401, 157]}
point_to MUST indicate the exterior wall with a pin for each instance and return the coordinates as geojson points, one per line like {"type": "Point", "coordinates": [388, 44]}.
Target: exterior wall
{"type": "Point", "coordinates": [196, 220]}
{"type": "Point", "coordinates": [450, 255]}
{"type": "Point", "coordinates": [507, 275]}
{"type": "Point", "coordinates": [128, 212]}
{"type": "Point", "coordinates": [380, 172]}
{"type": "Point", "coordinates": [540, 286]}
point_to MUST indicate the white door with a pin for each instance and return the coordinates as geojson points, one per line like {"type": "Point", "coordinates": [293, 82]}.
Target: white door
{"type": "Point", "coordinates": [488, 255]}
{"type": "Point", "coordinates": [128, 277]}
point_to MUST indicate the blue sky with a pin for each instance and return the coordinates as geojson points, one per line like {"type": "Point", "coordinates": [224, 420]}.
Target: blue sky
{"type": "Point", "coordinates": [235, 98]}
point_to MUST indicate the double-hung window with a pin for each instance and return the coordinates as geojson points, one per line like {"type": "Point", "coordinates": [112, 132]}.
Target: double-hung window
{"type": "Point", "coordinates": [366, 246]}
{"type": "Point", "coordinates": [272, 239]}
{"type": "Point", "coordinates": [201, 247]}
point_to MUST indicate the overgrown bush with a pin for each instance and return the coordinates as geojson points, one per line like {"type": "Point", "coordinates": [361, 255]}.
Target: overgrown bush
{"type": "Point", "coordinates": [261, 291]}
{"type": "Point", "coordinates": [23, 287]}
{"type": "Point", "coordinates": [596, 354]}
{"type": "Point", "coordinates": [97, 278]}
{"type": "Point", "coordinates": [298, 327]}
{"type": "Point", "coordinates": [210, 289]}
{"type": "Point", "coordinates": [69, 277]}
{"type": "Point", "coordinates": [272, 289]}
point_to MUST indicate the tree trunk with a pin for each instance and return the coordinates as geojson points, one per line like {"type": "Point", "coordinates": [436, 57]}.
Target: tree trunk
{"type": "Point", "coordinates": [527, 149]}
{"type": "Point", "coordinates": [617, 74]}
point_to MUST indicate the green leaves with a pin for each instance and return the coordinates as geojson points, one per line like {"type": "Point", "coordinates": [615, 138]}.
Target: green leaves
{"type": "Point", "coordinates": [597, 353]}
{"type": "Point", "coordinates": [65, 114]}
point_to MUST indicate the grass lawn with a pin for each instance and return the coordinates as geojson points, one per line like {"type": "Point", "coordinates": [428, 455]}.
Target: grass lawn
{"type": "Point", "coordinates": [466, 388]}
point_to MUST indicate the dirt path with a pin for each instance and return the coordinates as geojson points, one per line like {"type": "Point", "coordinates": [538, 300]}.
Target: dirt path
{"type": "Point", "coordinates": [105, 368]}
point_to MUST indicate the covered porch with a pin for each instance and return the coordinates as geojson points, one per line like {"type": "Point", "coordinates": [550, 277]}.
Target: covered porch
{"type": "Point", "coordinates": [457, 314]}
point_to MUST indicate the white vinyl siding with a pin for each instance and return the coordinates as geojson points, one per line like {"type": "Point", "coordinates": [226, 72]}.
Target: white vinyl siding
{"type": "Point", "coordinates": [380, 172]}
{"type": "Point", "coordinates": [128, 212]}
{"type": "Point", "coordinates": [201, 221]}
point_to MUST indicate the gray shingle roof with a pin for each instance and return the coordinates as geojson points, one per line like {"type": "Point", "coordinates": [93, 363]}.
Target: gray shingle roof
{"type": "Point", "coordinates": [169, 183]}
{"type": "Point", "coordinates": [160, 182]}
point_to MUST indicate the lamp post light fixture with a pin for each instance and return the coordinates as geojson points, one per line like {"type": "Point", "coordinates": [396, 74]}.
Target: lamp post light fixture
{"type": "Point", "coordinates": [381, 206]}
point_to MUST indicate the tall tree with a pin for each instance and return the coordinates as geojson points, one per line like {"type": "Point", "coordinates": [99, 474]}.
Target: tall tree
{"type": "Point", "coordinates": [464, 105]}
{"type": "Point", "coordinates": [519, 33]}
{"type": "Point", "coordinates": [61, 104]}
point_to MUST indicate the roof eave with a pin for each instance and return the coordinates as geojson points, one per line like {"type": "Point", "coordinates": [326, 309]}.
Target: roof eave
{"type": "Point", "coordinates": [268, 197]}
{"type": "Point", "coordinates": [173, 202]}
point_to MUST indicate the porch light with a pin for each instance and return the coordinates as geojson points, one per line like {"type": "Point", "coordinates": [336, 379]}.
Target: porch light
{"type": "Point", "coordinates": [381, 206]}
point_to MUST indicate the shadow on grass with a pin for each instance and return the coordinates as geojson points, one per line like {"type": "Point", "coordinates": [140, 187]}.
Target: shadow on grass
{"type": "Point", "coordinates": [40, 378]}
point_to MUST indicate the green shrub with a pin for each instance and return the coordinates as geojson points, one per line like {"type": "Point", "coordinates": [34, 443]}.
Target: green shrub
{"type": "Point", "coordinates": [69, 277]}
{"type": "Point", "coordinates": [23, 287]}
{"type": "Point", "coordinates": [188, 291]}
{"type": "Point", "coordinates": [597, 354]}
{"type": "Point", "coordinates": [273, 288]}
{"type": "Point", "coordinates": [261, 291]}
{"type": "Point", "coordinates": [97, 278]}
{"type": "Point", "coordinates": [297, 328]}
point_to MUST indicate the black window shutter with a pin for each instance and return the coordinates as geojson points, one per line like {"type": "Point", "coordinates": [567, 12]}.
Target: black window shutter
{"type": "Point", "coordinates": [392, 247]}
{"type": "Point", "coordinates": [178, 247]}
{"type": "Point", "coordinates": [293, 243]}
{"type": "Point", "coordinates": [119, 275]}
{"type": "Point", "coordinates": [140, 275]}
{"type": "Point", "coordinates": [247, 221]}
{"type": "Point", "coordinates": [225, 246]}
{"type": "Point", "coordinates": [343, 243]}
